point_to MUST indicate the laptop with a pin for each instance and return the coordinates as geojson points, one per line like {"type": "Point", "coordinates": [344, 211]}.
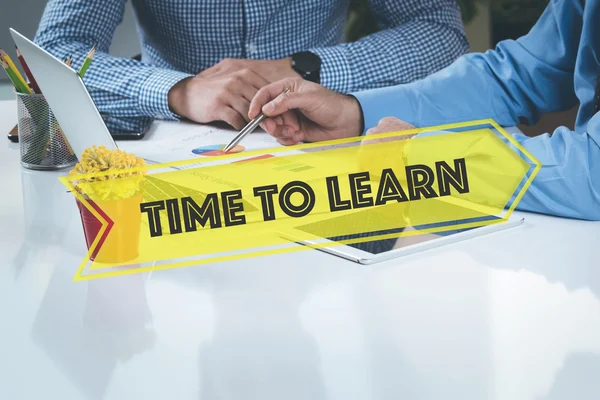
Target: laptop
{"type": "Point", "coordinates": [67, 96]}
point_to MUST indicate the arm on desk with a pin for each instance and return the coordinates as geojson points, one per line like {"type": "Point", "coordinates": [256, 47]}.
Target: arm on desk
{"type": "Point", "coordinates": [568, 184]}
{"type": "Point", "coordinates": [518, 81]}
{"type": "Point", "coordinates": [123, 88]}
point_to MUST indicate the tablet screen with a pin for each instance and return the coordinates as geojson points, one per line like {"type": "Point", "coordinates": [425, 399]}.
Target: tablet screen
{"type": "Point", "coordinates": [380, 246]}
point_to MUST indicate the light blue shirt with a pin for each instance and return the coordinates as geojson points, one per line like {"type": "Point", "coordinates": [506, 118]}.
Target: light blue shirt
{"type": "Point", "coordinates": [552, 68]}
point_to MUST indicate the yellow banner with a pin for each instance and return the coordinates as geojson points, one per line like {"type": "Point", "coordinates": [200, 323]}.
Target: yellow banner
{"type": "Point", "coordinates": [262, 202]}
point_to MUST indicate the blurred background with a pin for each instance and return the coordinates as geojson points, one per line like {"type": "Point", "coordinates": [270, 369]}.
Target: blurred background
{"type": "Point", "coordinates": [487, 22]}
{"type": "Point", "coordinates": [24, 16]}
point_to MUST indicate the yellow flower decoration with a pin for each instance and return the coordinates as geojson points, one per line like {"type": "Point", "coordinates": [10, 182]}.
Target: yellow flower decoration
{"type": "Point", "coordinates": [114, 186]}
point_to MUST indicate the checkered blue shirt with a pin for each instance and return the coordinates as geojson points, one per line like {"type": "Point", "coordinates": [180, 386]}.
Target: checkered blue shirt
{"type": "Point", "coordinates": [181, 38]}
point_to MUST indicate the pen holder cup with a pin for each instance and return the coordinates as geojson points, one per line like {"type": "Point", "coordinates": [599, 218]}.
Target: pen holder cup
{"type": "Point", "coordinates": [42, 142]}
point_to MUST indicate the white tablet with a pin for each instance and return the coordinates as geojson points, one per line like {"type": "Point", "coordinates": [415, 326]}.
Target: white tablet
{"type": "Point", "coordinates": [381, 249]}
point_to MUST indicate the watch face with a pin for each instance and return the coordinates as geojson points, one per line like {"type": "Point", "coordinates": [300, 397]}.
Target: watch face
{"type": "Point", "coordinates": [308, 65]}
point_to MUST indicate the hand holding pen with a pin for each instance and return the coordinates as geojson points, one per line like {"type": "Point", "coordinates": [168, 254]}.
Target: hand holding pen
{"type": "Point", "coordinates": [307, 113]}
{"type": "Point", "coordinates": [252, 125]}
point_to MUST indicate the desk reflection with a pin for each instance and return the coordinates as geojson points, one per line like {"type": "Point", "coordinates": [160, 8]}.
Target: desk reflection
{"type": "Point", "coordinates": [87, 339]}
{"type": "Point", "coordinates": [46, 203]}
{"type": "Point", "coordinates": [260, 347]}
{"type": "Point", "coordinates": [48, 211]}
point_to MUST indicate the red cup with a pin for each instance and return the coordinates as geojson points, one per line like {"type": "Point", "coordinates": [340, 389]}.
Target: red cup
{"type": "Point", "coordinates": [120, 239]}
{"type": "Point", "coordinates": [91, 226]}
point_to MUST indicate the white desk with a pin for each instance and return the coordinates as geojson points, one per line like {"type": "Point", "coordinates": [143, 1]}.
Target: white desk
{"type": "Point", "coordinates": [514, 315]}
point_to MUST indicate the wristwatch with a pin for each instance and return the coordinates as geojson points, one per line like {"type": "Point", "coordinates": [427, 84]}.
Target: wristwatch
{"type": "Point", "coordinates": [308, 65]}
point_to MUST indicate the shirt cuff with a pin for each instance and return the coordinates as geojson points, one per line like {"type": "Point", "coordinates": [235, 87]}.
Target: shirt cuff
{"type": "Point", "coordinates": [386, 102]}
{"type": "Point", "coordinates": [153, 99]}
{"type": "Point", "coordinates": [335, 73]}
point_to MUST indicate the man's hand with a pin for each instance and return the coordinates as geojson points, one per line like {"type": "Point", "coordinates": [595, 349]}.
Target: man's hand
{"type": "Point", "coordinates": [271, 70]}
{"type": "Point", "coordinates": [226, 98]}
{"type": "Point", "coordinates": [308, 113]}
{"type": "Point", "coordinates": [389, 124]}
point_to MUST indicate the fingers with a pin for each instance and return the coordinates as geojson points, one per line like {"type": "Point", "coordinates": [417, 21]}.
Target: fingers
{"type": "Point", "coordinates": [394, 121]}
{"type": "Point", "coordinates": [232, 117]}
{"type": "Point", "coordinates": [239, 89]}
{"type": "Point", "coordinates": [239, 104]}
{"type": "Point", "coordinates": [245, 84]}
{"type": "Point", "coordinates": [237, 69]}
{"type": "Point", "coordinates": [375, 130]}
{"type": "Point", "coordinates": [252, 83]}
{"type": "Point", "coordinates": [300, 103]}
{"type": "Point", "coordinates": [285, 128]}
{"type": "Point", "coordinates": [389, 124]}
{"type": "Point", "coordinates": [247, 91]}
{"type": "Point", "coordinates": [289, 119]}
{"type": "Point", "coordinates": [288, 136]}
{"type": "Point", "coordinates": [269, 125]}
{"type": "Point", "coordinates": [270, 92]}
{"type": "Point", "coordinates": [287, 141]}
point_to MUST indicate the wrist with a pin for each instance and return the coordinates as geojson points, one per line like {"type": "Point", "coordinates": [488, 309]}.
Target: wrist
{"type": "Point", "coordinates": [177, 99]}
{"type": "Point", "coordinates": [357, 118]}
{"type": "Point", "coordinates": [153, 94]}
{"type": "Point", "coordinates": [286, 65]}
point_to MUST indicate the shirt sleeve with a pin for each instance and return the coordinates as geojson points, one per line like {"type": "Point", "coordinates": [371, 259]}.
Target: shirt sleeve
{"type": "Point", "coordinates": [417, 38]}
{"type": "Point", "coordinates": [129, 91]}
{"type": "Point", "coordinates": [515, 83]}
{"type": "Point", "coordinates": [568, 184]}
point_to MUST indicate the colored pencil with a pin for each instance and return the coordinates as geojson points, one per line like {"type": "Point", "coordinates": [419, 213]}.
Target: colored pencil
{"type": "Point", "coordinates": [87, 61]}
{"type": "Point", "coordinates": [32, 81]}
{"type": "Point", "coordinates": [19, 86]}
{"type": "Point", "coordinates": [4, 65]}
{"type": "Point", "coordinates": [15, 72]}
